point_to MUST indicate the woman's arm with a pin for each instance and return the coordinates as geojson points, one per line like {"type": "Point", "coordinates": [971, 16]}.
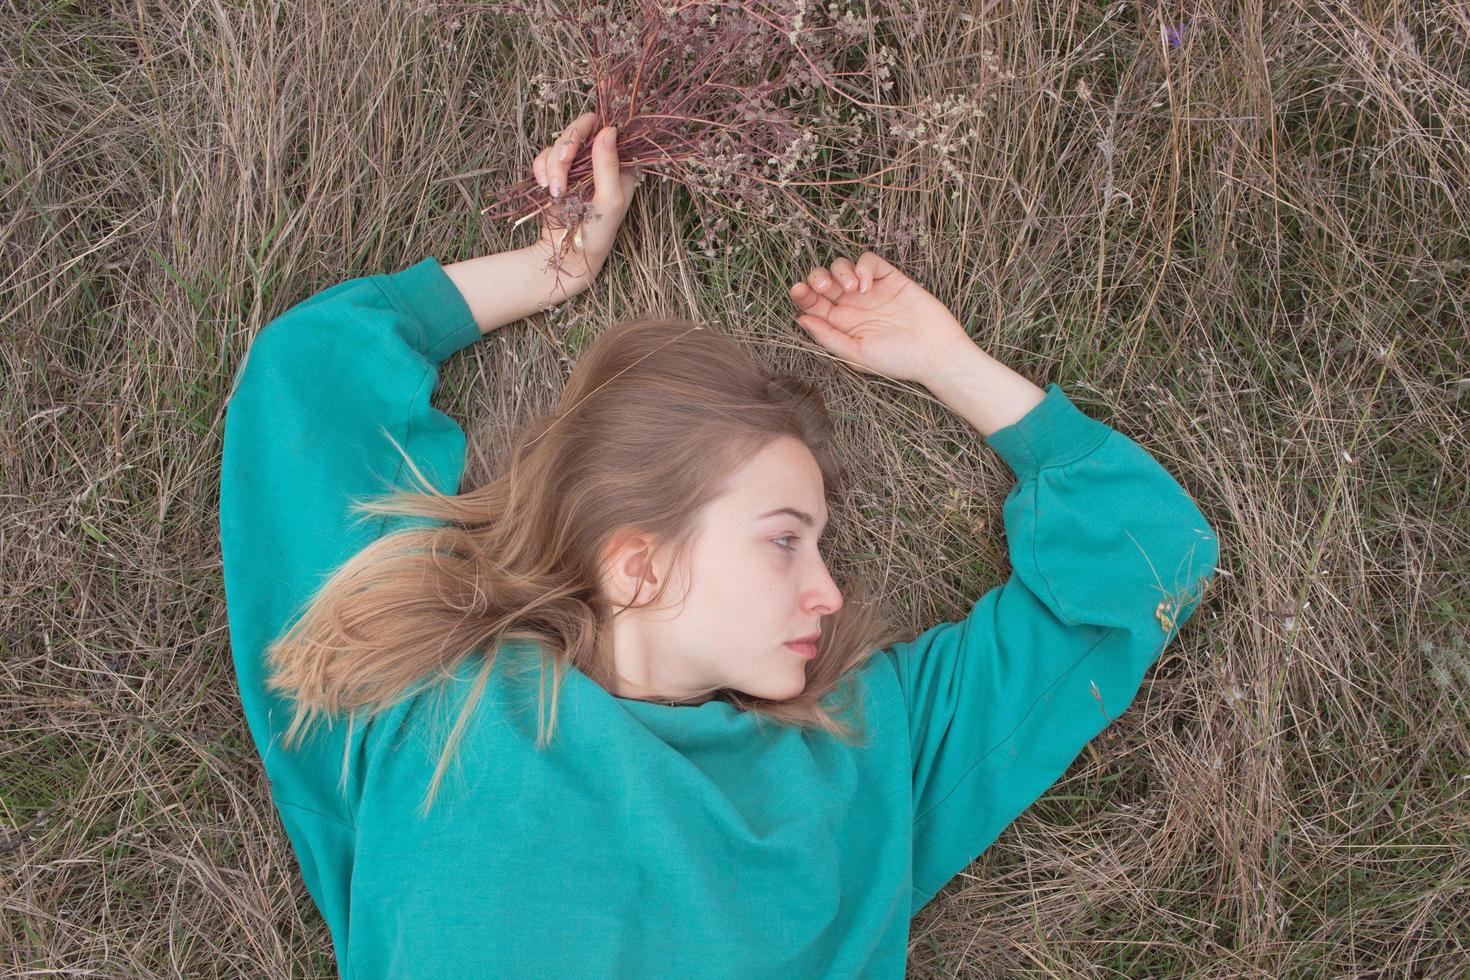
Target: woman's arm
{"type": "Point", "coordinates": [506, 286]}
{"type": "Point", "coordinates": [1109, 557]}
{"type": "Point", "coordinates": [329, 398]}
{"type": "Point", "coordinates": [981, 390]}
{"type": "Point", "coordinates": [503, 287]}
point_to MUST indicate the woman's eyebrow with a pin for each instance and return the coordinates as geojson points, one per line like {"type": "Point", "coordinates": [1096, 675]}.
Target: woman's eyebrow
{"type": "Point", "coordinates": [800, 515]}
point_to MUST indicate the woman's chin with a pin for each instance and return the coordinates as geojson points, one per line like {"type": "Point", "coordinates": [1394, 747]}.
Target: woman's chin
{"type": "Point", "coordinates": [779, 689]}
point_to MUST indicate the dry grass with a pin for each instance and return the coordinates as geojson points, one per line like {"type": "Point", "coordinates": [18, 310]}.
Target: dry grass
{"type": "Point", "coordinates": [1249, 252]}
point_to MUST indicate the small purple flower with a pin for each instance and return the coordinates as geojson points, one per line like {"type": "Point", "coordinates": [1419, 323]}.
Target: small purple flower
{"type": "Point", "coordinates": [1176, 33]}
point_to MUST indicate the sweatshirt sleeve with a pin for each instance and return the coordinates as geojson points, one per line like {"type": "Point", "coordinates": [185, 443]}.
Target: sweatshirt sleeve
{"type": "Point", "coordinates": [323, 392]}
{"type": "Point", "coordinates": [1109, 557]}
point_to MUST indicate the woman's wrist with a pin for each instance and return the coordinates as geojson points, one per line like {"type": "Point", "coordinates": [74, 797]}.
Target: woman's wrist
{"type": "Point", "coordinates": [504, 287]}
{"type": "Point", "coordinates": [981, 390]}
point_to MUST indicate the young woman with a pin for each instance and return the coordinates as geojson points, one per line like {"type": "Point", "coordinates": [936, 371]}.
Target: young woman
{"type": "Point", "coordinates": [609, 714]}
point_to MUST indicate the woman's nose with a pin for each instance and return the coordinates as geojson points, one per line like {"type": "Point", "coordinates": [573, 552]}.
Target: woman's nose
{"type": "Point", "coordinates": [829, 596]}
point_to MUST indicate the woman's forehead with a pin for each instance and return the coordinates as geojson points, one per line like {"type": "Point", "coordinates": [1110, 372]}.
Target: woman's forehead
{"type": "Point", "coordinates": [782, 475]}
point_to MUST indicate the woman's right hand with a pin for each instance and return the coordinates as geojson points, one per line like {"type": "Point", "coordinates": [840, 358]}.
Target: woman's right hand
{"type": "Point", "coordinates": [878, 319]}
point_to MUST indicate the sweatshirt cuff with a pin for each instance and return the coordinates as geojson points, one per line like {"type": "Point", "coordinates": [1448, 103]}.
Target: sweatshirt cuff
{"type": "Point", "coordinates": [433, 303]}
{"type": "Point", "coordinates": [1053, 433]}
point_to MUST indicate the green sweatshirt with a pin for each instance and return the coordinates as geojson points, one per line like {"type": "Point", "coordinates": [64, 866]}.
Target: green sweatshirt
{"type": "Point", "coordinates": [654, 840]}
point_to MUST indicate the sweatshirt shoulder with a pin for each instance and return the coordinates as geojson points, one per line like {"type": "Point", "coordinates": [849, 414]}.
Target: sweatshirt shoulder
{"type": "Point", "coordinates": [420, 304]}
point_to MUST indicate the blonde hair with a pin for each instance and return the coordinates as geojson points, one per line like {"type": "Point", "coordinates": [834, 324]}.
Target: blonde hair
{"type": "Point", "coordinates": [656, 416]}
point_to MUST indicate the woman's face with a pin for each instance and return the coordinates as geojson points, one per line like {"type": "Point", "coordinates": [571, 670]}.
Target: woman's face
{"type": "Point", "coordinates": [754, 581]}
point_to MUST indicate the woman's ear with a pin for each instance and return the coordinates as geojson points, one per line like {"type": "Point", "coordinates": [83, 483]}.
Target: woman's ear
{"type": "Point", "coordinates": [628, 569]}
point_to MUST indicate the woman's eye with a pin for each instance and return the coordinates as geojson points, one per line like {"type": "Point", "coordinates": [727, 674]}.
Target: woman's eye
{"type": "Point", "coordinates": [788, 537]}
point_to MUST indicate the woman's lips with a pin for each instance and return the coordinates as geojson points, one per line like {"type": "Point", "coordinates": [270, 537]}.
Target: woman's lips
{"type": "Point", "coordinates": [807, 650]}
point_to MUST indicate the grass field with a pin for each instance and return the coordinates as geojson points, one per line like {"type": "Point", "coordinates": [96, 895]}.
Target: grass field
{"type": "Point", "coordinates": [1236, 234]}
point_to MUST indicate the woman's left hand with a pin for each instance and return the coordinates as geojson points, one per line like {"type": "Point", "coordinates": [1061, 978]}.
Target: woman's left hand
{"type": "Point", "coordinates": [593, 222]}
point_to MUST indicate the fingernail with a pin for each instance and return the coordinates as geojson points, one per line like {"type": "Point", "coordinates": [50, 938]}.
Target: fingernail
{"type": "Point", "coordinates": [541, 180]}
{"type": "Point", "coordinates": [610, 138]}
{"type": "Point", "coordinates": [822, 284]}
{"type": "Point", "coordinates": [566, 151]}
{"type": "Point", "coordinates": [556, 188]}
{"type": "Point", "coordinates": [864, 287]}
{"type": "Point", "coordinates": [848, 283]}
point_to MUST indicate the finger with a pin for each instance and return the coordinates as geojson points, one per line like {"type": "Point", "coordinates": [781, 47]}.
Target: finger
{"type": "Point", "coordinates": [558, 162]}
{"type": "Point", "coordinates": [821, 280]}
{"type": "Point", "coordinates": [565, 150]}
{"type": "Point", "coordinates": [629, 178]}
{"type": "Point", "coordinates": [842, 271]}
{"type": "Point", "coordinates": [607, 189]}
{"type": "Point", "coordinates": [869, 268]}
{"type": "Point", "coordinates": [829, 337]}
{"type": "Point", "coordinates": [581, 128]}
{"type": "Point", "coordinates": [538, 166]}
{"type": "Point", "coordinates": [810, 300]}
